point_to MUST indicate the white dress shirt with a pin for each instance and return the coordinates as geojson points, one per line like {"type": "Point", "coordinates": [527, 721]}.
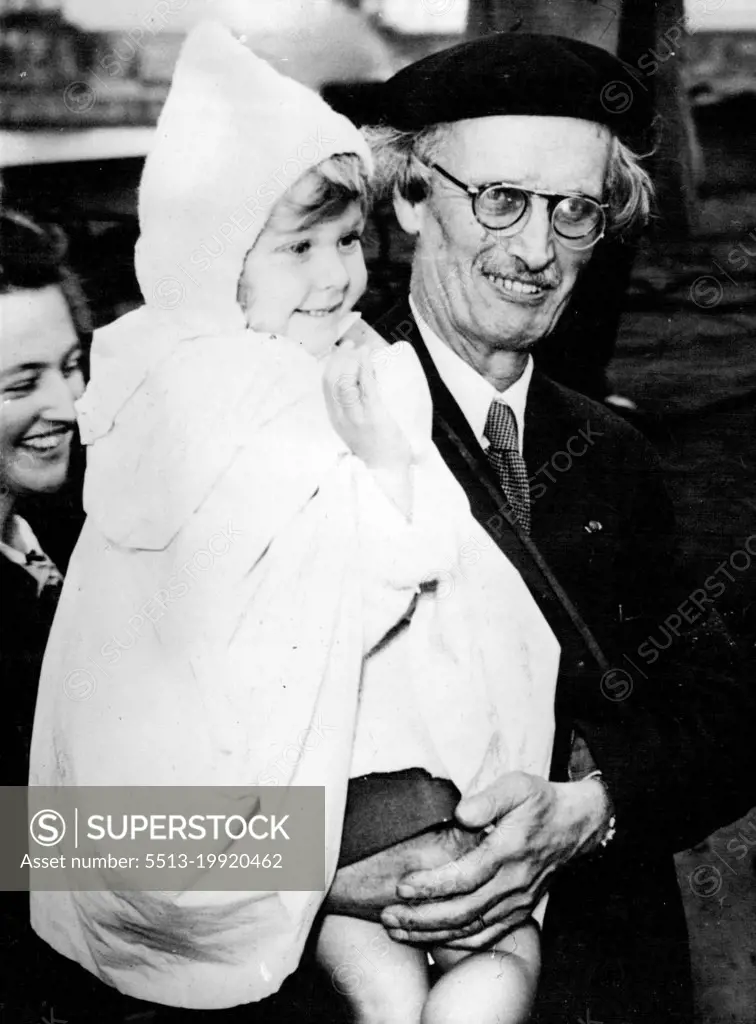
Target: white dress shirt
{"type": "Point", "coordinates": [473, 393]}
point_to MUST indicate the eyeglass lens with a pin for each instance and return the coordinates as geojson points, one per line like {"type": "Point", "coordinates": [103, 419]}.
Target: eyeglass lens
{"type": "Point", "coordinates": [573, 217]}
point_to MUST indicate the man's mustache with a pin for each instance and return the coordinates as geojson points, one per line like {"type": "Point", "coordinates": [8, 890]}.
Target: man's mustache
{"type": "Point", "coordinates": [539, 279]}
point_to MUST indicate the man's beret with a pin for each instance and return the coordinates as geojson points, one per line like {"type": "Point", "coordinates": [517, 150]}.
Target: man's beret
{"type": "Point", "coordinates": [509, 73]}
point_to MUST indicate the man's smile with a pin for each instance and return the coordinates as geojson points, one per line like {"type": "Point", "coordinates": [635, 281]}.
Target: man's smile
{"type": "Point", "coordinates": [515, 289]}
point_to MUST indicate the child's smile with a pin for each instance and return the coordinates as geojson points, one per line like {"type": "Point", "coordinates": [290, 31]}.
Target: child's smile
{"type": "Point", "coordinates": [320, 312]}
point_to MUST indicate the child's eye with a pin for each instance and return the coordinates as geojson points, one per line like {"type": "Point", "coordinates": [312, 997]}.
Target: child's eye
{"type": "Point", "coordinates": [350, 242]}
{"type": "Point", "coordinates": [300, 248]}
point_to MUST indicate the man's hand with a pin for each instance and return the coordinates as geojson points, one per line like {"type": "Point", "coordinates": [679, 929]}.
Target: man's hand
{"type": "Point", "coordinates": [539, 826]}
{"type": "Point", "coordinates": [364, 888]}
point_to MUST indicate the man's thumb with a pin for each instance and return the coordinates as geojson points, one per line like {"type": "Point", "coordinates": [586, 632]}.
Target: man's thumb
{"type": "Point", "coordinates": [494, 801]}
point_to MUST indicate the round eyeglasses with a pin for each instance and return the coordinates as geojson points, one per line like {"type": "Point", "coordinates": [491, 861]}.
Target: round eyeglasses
{"type": "Point", "coordinates": [578, 221]}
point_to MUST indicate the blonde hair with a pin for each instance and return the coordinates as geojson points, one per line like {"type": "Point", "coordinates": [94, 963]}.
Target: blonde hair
{"type": "Point", "coordinates": [401, 160]}
{"type": "Point", "coordinates": [321, 194]}
{"type": "Point", "coordinates": [326, 190]}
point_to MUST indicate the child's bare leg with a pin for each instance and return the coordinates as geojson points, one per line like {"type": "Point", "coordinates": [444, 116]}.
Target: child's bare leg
{"type": "Point", "coordinates": [384, 982]}
{"type": "Point", "coordinates": [493, 987]}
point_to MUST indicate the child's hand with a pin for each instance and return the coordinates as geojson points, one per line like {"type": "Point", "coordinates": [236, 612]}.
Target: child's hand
{"type": "Point", "coordinates": [366, 337]}
{"type": "Point", "coordinates": [357, 411]}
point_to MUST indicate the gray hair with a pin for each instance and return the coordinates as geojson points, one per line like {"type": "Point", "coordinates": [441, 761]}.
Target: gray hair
{"type": "Point", "coordinates": [401, 164]}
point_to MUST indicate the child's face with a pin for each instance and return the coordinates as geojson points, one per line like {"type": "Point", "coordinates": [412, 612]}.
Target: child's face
{"type": "Point", "coordinates": [40, 378]}
{"type": "Point", "coordinates": [301, 282]}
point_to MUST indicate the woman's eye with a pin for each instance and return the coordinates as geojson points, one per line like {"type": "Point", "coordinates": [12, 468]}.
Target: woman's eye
{"type": "Point", "coordinates": [300, 248]}
{"type": "Point", "coordinates": [351, 241]}
{"type": "Point", "coordinates": [73, 365]}
{"type": "Point", "coordinates": [21, 387]}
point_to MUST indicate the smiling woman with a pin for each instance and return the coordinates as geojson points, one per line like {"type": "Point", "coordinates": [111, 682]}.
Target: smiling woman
{"type": "Point", "coordinates": [42, 313]}
{"type": "Point", "coordinates": [40, 378]}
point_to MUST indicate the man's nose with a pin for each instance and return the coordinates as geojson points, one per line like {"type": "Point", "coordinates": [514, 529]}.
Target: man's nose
{"type": "Point", "coordinates": [534, 243]}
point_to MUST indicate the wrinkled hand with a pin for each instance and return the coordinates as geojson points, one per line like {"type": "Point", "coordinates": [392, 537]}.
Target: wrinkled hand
{"type": "Point", "coordinates": [364, 888]}
{"type": "Point", "coordinates": [357, 411]}
{"type": "Point", "coordinates": [472, 901]}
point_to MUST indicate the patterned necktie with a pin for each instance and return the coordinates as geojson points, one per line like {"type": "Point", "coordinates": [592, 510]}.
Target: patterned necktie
{"type": "Point", "coordinates": [506, 461]}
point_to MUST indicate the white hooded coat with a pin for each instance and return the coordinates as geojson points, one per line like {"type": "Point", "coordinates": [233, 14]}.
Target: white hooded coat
{"type": "Point", "coordinates": [238, 562]}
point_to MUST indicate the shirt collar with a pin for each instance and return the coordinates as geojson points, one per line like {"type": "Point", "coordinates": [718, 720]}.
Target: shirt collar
{"type": "Point", "coordinates": [473, 393]}
{"type": "Point", "coordinates": [22, 544]}
{"type": "Point", "coordinates": [22, 541]}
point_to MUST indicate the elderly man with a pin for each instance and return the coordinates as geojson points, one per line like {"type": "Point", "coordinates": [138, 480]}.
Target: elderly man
{"type": "Point", "coordinates": [508, 165]}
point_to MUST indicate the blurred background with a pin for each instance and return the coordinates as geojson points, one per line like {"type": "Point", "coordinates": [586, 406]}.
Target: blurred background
{"type": "Point", "coordinates": [81, 86]}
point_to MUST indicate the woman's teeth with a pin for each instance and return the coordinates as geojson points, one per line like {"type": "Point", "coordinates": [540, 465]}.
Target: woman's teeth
{"type": "Point", "coordinates": [46, 442]}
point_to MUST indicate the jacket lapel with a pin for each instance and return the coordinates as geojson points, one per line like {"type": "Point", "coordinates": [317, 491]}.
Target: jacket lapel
{"type": "Point", "coordinates": [452, 435]}
{"type": "Point", "coordinates": [465, 458]}
{"type": "Point", "coordinates": [461, 451]}
{"type": "Point", "coordinates": [548, 427]}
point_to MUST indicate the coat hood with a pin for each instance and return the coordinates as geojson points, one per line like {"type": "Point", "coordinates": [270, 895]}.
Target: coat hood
{"type": "Point", "coordinates": [233, 136]}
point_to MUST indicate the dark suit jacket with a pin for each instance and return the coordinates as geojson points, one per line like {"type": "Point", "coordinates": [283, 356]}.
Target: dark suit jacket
{"type": "Point", "coordinates": [669, 723]}
{"type": "Point", "coordinates": [26, 621]}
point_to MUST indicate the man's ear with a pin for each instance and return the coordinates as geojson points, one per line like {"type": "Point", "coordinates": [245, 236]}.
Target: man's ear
{"type": "Point", "coordinates": [409, 215]}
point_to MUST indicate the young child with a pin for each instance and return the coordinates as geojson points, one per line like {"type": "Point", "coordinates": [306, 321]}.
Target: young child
{"type": "Point", "coordinates": [223, 421]}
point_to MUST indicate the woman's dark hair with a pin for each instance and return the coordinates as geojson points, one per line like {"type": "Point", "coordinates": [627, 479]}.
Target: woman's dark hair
{"type": "Point", "coordinates": [33, 257]}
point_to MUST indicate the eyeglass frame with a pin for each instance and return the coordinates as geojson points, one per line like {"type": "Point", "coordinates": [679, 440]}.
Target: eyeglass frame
{"type": "Point", "coordinates": [474, 191]}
